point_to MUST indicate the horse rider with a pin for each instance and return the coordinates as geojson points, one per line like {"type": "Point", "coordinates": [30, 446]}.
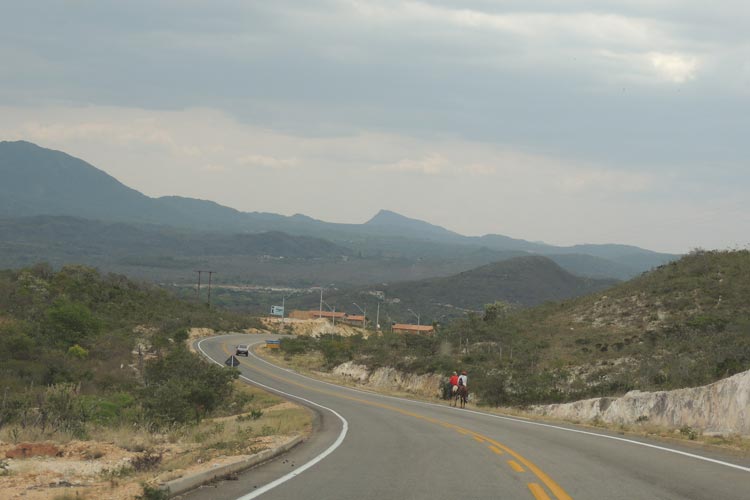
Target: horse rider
{"type": "Point", "coordinates": [454, 383]}
{"type": "Point", "coordinates": [463, 379]}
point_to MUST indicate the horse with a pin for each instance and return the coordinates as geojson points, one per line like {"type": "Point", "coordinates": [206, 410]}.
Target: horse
{"type": "Point", "coordinates": [461, 394]}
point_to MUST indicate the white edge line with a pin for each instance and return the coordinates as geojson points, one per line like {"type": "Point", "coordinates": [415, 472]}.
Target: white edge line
{"type": "Point", "coordinates": [307, 465]}
{"type": "Point", "coordinates": [519, 420]}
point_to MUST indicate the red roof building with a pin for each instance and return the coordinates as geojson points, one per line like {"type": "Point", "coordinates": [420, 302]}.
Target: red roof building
{"type": "Point", "coordinates": [407, 328]}
{"type": "Point", "coordinates": [355, 319]}
{"type": "Point", "coordinates": [327, 314]}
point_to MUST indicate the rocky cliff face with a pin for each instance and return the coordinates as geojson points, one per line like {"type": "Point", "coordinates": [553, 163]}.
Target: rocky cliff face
{"type": "Point", "coordinates": [428, 385]}
{"type": "Point", "coordinates": [722, 407]}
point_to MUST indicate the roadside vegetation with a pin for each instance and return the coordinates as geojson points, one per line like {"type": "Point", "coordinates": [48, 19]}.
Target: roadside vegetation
{"type": "Point", "coordinates": [86, 356]}
{"type": "Point", "coordinates": [79, 349]}
{"type": "Point", "coordinates": [683, 324]}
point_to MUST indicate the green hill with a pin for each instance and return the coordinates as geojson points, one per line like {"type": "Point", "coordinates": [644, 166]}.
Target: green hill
{"type": "Point", "coordinates": [161, 253]}
{"type": "Point", "coordinates": [519, 281]}
{"type": "Point", "coordinates": [76, 236]}
{"type": "Point", "coordinates": [684, 324]}
{"type": "Point", "coordinates": [84, 351]}
{"type": "Point", "coordinates": [38, 181]}
{"type": "Point", "coordinates": [524, 281]}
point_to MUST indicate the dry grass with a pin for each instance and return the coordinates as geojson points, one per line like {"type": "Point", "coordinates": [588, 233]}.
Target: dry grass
{"type": "Point", "coordinates": [116, 461]}
{"type": "Point", "coordinates": [308, 363]}
{"type": "Point", "coordinates": [242, 434]}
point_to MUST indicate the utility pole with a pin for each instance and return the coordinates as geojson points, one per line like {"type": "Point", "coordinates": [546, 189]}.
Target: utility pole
{"type": "Point", "coordinates": [209, 287]}
{"type": "Point", "coordinates": [377, 318]}
{"type": "Point", "coordinates": [333, 316]}
{"type": "Point", "coordinates": [283, 302]}
{"type": "Point", "coordinates": [415, 314]}
{"type": "Point", "coordinates": [198, 291]}
{"type": "Point", "coordinates": [364, 313]}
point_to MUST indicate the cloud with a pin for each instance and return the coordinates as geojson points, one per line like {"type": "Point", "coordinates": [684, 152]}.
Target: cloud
{"type": "Point", "coordinates": [674, 67]}
{"type": "Point", "coordinates": [214, 168]}
{"type": "Point", "coordinates": [480, 169]}
{"type": "Point", "coordinates": [432, 164]}
{"type": "Point", "coordinates": [255, 160]}
{"type": "Point", "coordinates": [606, 181]}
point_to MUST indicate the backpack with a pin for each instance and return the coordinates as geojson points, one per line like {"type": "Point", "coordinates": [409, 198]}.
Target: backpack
{"type": "Point", "coordinates": [460, 381]}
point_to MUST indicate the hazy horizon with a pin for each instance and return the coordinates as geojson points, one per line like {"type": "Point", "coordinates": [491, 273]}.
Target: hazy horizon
{"type": "Point", "coordinates": [578, 122]}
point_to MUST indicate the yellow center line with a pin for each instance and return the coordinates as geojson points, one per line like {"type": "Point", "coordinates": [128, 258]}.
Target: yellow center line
{"type": "Point", "coordinates": [478, 439]}
{"type": "Point", "coordinates": [514, 465]}
{"type": "Point", "coordinates": [495, 449]}
{"type": "Point", "coordinates": [538, 492]}
{"type": "Point", "coordinates": [555, 488]}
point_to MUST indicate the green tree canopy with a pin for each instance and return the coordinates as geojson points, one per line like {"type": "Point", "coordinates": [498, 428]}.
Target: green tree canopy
{"type": "Point", "coordinates": [180, 386]}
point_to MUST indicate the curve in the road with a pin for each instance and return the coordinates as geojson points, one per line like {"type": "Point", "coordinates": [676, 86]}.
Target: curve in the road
{"type": "Point", "coordinates": [304, 467]}
{"type": "Point", "coordinates": [494, 445]}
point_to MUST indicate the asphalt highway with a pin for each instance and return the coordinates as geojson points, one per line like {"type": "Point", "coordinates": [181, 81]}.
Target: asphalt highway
{"type": "Point", "coordinates": [373, 447]}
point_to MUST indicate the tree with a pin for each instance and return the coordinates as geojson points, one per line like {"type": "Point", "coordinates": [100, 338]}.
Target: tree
{"type": "Point", "coordinates": [70, 323]}
{"type": "Point", "coordinates": [181, 387]}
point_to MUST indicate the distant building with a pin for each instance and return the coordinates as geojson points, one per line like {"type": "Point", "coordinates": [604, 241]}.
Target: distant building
{"type": "Point", "coordinates": [352, 319]}
{"type": "Point", "coordinates": [328, 315]}
{"type": "Point", "coordinates": [355, 319]}
{"type": "Point", "coordinates": [407, 328]}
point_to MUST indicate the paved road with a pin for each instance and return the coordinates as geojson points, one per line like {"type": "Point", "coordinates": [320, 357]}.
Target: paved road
{"type": "Point", "coordinates": [372, 447]}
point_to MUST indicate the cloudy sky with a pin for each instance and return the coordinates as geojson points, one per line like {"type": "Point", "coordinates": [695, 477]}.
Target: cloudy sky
{"type": "Point", "coordinates": [567, 121]}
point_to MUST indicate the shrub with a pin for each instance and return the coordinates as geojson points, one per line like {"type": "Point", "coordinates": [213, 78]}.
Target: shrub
{"type": "Point", "coordinates": [181, 387]}
{"type": "Point", "coordinates": [78, 352]}
{"type": "Point", "coordinates": [69, 323]}
{"type": "Point", "coordinates": [146, 461]}
{"type": "Point", "coordinates": [153, 493]}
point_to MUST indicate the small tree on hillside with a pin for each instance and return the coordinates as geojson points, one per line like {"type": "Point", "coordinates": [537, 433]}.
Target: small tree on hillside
{"type": "Point", "coordinates": [181, 387]}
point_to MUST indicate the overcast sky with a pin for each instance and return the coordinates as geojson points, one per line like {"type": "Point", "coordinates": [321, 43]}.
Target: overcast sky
{"type": "Point", "coordinates": [566, 121]}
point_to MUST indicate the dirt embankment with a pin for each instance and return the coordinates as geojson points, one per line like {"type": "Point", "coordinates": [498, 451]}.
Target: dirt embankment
{"type": "Point", "coordinates": [48, 470]}
{"type": "Point", "coordinates": [312, 327]}
{"type": "Point", "coordinates": [97, 470]}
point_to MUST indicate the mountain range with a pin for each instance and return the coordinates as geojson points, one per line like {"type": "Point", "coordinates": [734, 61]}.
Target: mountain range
{"type": "Point", "coordinates": [36, 181]}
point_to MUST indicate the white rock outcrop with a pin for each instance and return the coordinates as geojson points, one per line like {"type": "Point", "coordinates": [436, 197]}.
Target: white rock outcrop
{"type": "Point", "coordinates": [722, 407]}
{"type": "Point", "coordinates": [389, 378]}
{"type": "Point", "coordinates": [351, 370]}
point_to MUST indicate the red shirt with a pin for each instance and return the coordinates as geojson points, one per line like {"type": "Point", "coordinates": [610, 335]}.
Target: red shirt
{"type": "Point", "coordinates": [454, 380]}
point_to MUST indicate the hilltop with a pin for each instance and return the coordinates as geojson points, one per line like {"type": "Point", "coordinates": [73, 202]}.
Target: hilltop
{"type": "Point", "coordinates": [518, 282]}
{"type": "Point", "coordinates": [521, 281]}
